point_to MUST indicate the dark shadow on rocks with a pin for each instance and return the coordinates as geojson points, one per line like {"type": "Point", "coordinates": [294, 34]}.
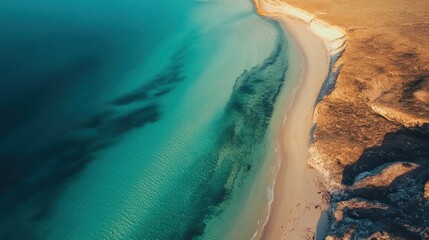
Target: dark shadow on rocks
{"type": "Point", "coordinates": [399, 208]}
{"type": "Point", "coordinates": [405, 145]}
{"type": "Point", "coordinates": [329, 84]}
{"type": "Point", "coordinates": [322, 226]}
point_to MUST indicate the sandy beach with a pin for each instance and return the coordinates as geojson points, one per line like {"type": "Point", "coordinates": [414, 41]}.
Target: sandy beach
{"type": "Point", "coordinates": [299, 197]}
{"type": "Point", "coordinates": [378, 93]}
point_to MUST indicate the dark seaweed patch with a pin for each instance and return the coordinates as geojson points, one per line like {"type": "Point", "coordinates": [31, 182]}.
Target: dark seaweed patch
{"type": "Point", "coordinates": [241, 136]}
{"type": "Point", "coordinates": [98, 120]}
{"type": "Point", "coordinates": [35, 180]}
{"type": "Point", "coordinates": [133, 97]}
{"type": "Point", "coordinates": [66, 156]}
{"type": "Point", "coordinates": [135, 119]}
{"type": "Point", "coordinates": [160, 85]}
{"type": "Point", "coordinates": [32, 181]}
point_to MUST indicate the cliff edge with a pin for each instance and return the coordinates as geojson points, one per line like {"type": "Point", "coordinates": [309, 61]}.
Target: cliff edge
{"type": "Point", "coordinates": [371, 133]}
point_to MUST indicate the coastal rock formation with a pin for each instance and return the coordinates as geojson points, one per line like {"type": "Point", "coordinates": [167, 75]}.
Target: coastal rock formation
{"type": "Point", "coordinates": [371, 134]}
{"type": "Point", "coordinates": [383, 195]}
{"type": "Point", "coordinates": [383, 176]}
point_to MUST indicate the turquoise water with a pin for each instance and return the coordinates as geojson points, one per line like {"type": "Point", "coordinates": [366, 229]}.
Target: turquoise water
{"type": "Point", "coordinates": [136, 119]}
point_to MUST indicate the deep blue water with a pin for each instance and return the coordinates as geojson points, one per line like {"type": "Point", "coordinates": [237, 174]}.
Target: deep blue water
{"type": "Point", "coordinates": [134, 119]}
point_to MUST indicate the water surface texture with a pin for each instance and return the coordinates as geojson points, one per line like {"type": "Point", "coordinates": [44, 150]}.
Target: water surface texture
{"type": "Point", "coordinates": [135, 119]}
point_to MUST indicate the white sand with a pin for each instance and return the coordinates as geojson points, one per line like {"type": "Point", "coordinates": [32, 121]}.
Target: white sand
{"type": "Point", "coordinates": [298, 195]}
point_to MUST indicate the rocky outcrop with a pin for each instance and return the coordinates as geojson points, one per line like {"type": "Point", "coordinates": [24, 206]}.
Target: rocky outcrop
{"type": "Point", "coordinates": [384, 175]}
{"type": "Point", "coordinates": [371, 121]}
{"type": "Point", "coordinates": [384, 191]}
{"type": "Point", "coordinates": [370, 140]}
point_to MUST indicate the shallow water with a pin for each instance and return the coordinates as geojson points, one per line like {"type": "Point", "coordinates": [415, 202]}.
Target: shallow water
{"type": "Point", "coordinates": [136, 119]}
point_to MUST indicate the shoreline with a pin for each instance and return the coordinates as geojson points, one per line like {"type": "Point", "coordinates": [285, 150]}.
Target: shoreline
{"type": "Point", "coordinates": [297, 210]}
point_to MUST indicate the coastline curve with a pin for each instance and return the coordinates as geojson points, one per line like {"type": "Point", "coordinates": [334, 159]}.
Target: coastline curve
{"type": "Point", "coordinates": [300, 196]}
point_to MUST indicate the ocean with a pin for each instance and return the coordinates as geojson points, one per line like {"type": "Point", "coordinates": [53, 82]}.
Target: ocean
{"type": "Point", "coordinates": [138, 119]}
